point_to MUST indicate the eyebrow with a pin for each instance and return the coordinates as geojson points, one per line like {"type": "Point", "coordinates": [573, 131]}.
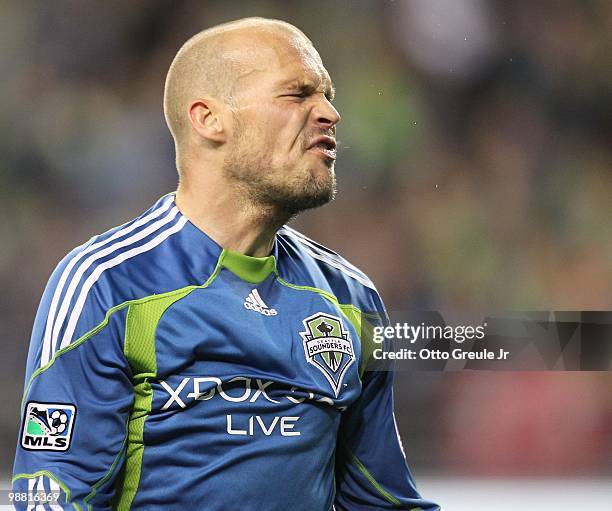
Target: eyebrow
{"type": "Point", "coordinates": [330, 91]}
{"type": "Point", "coordinates": [306, 86]}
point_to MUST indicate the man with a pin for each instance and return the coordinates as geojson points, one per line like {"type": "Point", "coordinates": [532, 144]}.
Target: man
{"type": "Point", "coordinates": [203, 356]}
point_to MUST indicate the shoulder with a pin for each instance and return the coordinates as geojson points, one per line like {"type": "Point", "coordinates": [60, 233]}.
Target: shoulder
{"type": "Point", "coordinates": [307, 262]}
{"type": "Point", "coordinates": [128, 262]}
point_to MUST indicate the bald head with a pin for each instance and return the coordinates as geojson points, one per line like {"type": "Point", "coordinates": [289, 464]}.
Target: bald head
{"type": "Point", "coordinates": [213, 62]}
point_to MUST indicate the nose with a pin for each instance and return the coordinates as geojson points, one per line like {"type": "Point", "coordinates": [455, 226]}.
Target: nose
{"type": "Point", "coordinates": [326, 114]}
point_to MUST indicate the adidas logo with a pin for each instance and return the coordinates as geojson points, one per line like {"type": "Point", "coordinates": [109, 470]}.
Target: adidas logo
{"type": "Point", "coordinates": [255, 303]}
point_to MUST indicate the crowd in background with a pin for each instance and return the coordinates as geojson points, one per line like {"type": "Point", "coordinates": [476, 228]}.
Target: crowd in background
{"type": "Point", "coordinates": [475, 173]}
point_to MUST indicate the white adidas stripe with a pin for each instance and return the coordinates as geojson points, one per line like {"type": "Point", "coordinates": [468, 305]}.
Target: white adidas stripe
{"type": "Point", "coordinates": [258, 299]}
{"type": "Point", "coordinates": [55, 488]}
{"type": "Point", "coordinates": [31, 483]}
{"type": "Point", "coordinates": [311, 243]}
{"type": "Point", "coordinates": [45, 357]}
{"type": "Point", "coordinates": [37, 484]}
{"type": "Point", "coordinates": [40, 488]}
{"type": "Point", "coordinates": [399, 438]}
{"type": "Point", "coordinates": [85, 265]}
{"type": "Point", "coordinates": [365, 281]}
{"type": "Point", "coordinates": [78, 306]}
{"type": "Point", "coordinates": [345, 268]}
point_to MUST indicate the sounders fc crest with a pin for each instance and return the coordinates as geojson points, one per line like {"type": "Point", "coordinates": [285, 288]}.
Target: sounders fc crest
{"type": "Point", "coordinates": [328, 347]}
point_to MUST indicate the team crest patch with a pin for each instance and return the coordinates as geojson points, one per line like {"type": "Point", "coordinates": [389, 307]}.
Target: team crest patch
{"type": "Point", "coordinates": [47, 426]}
{"type": "Point", "coordinates": [328, 347]}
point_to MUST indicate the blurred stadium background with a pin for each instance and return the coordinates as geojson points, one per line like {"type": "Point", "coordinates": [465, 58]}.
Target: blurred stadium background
{"type": "Point", "coordinates": [475, 171]}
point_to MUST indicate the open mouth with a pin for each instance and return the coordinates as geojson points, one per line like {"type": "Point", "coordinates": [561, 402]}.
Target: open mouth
{"type": "Point", "coordinates": [325, 146]}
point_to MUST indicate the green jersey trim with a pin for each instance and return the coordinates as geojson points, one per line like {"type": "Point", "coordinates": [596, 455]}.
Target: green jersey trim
{"type": "Point", "coordinates": [250, 269]}
{"type": "Point", "coordinates": [89, 334]}
{"type": "Point", "coordinates": [140, 360]}
{"type": "Point", "coordinates": [135, 447]}
{"type": "Point", "coordinates": [73, 345]}
{"type": "Point", "coordinates": [384, 493]}
{"type": "Point", "coordinates": [108, 474]}
{"type": "Point", "coordinates": [357, 318]}
{"type": "Point", "coordinates": [139, 348]}
{"type": "Point", "coordinates": [375, 484]}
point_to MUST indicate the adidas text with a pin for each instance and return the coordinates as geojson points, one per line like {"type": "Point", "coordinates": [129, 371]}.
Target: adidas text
{"type": "Point", "coordinates": [255, 303]}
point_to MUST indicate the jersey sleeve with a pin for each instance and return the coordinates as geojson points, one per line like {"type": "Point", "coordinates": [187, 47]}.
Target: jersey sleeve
{"type": "Point", "coordinates": [371, 469]}
{"type": "Point", "coordinates": [76, 402]}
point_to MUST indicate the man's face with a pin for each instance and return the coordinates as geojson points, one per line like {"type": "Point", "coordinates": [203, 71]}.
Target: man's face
{"type": "Point", "coordinates": [282, 147]}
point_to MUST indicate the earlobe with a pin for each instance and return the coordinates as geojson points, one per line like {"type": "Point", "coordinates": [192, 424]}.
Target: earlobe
{"type": "Point", "coordinates": [206, 121]}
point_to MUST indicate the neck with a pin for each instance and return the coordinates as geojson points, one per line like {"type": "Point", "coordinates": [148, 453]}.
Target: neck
{"type": "Point", "coordinates": [224, 214]}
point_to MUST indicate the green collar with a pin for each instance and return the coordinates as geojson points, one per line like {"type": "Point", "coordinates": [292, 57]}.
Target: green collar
{"type": "Point", "coordinates": [250, 269]}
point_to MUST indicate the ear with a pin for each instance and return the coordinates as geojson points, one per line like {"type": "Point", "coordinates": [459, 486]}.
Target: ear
{"type": "Point", "coordinates": [206, 119]}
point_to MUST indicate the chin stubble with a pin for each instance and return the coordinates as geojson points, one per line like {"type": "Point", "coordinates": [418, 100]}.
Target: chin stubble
{"type": "Point", "coordinates": [305, 191]}
{"type": "Point", "coordinates": [265, 187]}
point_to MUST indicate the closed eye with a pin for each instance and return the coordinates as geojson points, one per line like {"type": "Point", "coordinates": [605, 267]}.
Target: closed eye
{"type": "Point", "coordinates": [300, 94]}
{"type": "Point", "coordinates": [308, 93]}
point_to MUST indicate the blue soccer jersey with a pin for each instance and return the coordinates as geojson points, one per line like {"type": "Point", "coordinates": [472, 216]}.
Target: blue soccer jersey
{"type": "Point", "coordinates": [166, 373]}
